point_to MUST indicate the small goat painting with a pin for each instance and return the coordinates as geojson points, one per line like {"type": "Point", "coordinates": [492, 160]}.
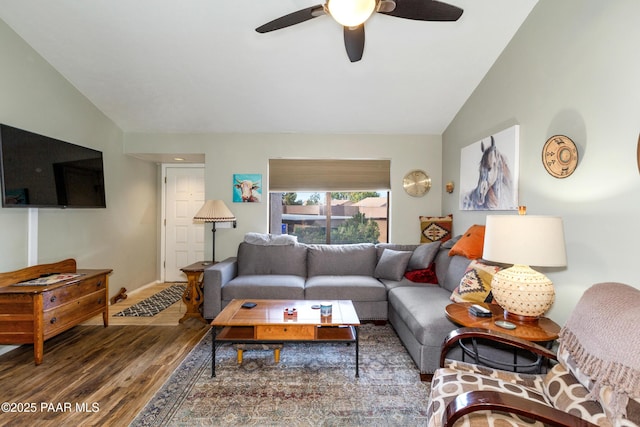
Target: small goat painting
{"type": "Point", "coordinates": [489, 172]}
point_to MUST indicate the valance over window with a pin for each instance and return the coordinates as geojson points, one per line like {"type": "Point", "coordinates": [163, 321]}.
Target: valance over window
{"type": "Point", "coordinates": [287, 175]}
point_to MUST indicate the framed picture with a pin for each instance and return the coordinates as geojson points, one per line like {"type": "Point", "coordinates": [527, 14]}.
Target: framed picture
{"type": "Point", "coordinates": [247, 188]}
{"type": "Point", "coordinates": [489, 172]}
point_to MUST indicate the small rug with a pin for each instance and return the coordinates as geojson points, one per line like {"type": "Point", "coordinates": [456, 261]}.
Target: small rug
{"type": "Point", "coordinates": [155, 303]}
{"type": "Point", "coordinates": [313, 385]}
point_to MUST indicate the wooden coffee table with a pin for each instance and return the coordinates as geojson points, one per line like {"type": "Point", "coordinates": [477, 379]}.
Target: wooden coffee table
{"type": "Point", "coordinates": [268, 322]}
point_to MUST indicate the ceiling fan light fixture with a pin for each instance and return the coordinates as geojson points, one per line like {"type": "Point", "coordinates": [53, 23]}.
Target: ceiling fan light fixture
{"type": "Point", "coordinates": [351, 13]}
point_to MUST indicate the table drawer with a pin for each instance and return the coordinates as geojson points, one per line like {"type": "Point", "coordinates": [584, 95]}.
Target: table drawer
{"type": "Point", "coordinates": [285, 332]}
{"type": "Point", "coordinates": [72, 291]}
{"type": "Point", "coordinates": [61, 318]}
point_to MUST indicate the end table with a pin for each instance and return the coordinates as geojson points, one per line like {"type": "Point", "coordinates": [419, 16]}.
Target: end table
{"type": "Point", "coordinates": [193, 296]}
{"type": "Point", "coordinates": [544, 331]}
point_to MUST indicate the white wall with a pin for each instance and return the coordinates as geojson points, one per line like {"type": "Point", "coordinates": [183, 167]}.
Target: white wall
{"type": "Point", "coordinates": [249, 153]}
{"type": "Point", "coordinates": [37, 98]}
{"type": "Point", "coordinates": [571, 69]}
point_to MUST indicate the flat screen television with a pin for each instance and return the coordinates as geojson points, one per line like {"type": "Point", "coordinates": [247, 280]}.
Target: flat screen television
{"type": "Point", "coordinates": [38, 171]}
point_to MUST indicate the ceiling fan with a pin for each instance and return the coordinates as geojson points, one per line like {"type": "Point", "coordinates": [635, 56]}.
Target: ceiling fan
{"type": "Point", "coordinates": [352, 14]}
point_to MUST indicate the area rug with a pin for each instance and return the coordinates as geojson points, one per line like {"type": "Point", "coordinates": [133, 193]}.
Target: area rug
{"type": "Point", "coordinates": [313, 385]}
{"type": "Point", "coordinates": [155, 303]}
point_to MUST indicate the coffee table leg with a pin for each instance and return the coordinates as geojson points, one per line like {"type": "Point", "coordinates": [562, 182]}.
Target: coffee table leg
{"type": "Point", "coordinates": [357, 352]}
{"type": "Point", "coordinates": [213, 351]}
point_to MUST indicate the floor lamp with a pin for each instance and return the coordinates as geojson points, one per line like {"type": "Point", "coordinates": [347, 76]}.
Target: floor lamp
{"type": "Point", "coordinates": [214, 211]}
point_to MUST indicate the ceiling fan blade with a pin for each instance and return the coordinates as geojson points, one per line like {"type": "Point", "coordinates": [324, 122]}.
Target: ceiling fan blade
{"type": "Point", "coordinates": [292, 19]}
{"type": "Point", "coordinates": [354, 42]}
{"type": "Point", "coordinates": [425, 10]}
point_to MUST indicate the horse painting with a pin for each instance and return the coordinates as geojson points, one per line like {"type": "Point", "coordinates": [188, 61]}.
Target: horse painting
{"type": "Point", "coordinates": [494, 189]}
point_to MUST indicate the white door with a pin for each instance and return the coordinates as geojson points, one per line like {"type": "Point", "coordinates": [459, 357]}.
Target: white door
{"type": "Point", "coordinates": [184, 239]}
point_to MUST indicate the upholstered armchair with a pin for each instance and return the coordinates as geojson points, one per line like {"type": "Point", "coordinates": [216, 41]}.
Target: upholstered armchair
{"type": "Point", "coordinates": [593, 379]}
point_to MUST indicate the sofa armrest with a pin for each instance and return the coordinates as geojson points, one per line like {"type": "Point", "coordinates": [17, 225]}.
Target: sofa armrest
{"type": "Point", "coordinates": [215, 277]}
{"type": "Point", "coordinates": [463, 333]}
{"type": "Point", "coordinates": [482, 400]}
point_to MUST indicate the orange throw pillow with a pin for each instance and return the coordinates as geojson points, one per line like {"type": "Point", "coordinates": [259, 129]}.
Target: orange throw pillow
{"type": "Point", "coordinates": [470, 244]}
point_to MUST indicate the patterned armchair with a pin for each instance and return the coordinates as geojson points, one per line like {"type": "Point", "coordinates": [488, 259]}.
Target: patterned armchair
{"type": "Point", "coordinates": [594, 378]}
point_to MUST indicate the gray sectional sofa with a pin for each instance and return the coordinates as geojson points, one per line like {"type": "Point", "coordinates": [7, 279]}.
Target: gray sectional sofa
{"type": "Point", "coordinates": [372, 276]}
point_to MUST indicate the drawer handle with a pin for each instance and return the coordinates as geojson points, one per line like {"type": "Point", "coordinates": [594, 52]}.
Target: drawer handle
{"type": "Point", "coordinates": [285, 329]}
{"type": "Point", "coordinates": [100, 301]}
{"type": "Point", "coordinates": [54, 320]}
{"type": "Point", "coordinates": [99, 284]}
{"type": "Point", "coordinates": [53, 299]}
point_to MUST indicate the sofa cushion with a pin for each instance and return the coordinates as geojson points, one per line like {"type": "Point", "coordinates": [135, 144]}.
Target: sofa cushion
{"type": "Point", "coordinates": [390, 284]}
{"type": "Point", "coordinates": [355, 288]}
{"type": "Point", "coordinates": [421, 308]}
{"type": "Point", "coordinates": [271, 286]}
{"type": "Point", "coordinates": [260, 259]}
{"type": "Point", "coordinates": [392, 264]}
{"type": "Point", "coordinates": [456, 268]}
{"type": "Point", "coordinates": [380, 247]}
{"type": "Point", "coordinates": [341, 260]}
{"type": "Point", "coordinates": [423, 256]}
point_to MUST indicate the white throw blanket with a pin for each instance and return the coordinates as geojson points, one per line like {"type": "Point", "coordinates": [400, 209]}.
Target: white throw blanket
{"type": "Point", "coordinates": [270, 239]}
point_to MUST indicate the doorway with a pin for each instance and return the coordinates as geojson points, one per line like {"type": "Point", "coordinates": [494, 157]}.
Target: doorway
{"type": "Point", "coordinates": [182, 238]}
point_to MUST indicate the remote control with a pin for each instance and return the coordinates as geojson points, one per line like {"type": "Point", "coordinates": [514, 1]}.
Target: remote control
{"type": "Point", "coordinates": [479, 311]}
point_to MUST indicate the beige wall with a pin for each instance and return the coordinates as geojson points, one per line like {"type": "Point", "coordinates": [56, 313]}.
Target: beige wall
{"type": "Point", "coordinates": [571, 69]}
{"type": "Point", "coordinates": [250, 153]}
{"type": "Point", "coordinates": [123, 236]}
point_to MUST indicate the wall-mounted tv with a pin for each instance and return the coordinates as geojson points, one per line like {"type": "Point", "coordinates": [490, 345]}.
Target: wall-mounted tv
{"type": "Point", "coordinates": [38, 171]}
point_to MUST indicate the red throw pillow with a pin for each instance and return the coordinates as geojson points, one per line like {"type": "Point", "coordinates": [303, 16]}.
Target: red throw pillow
{"type": "Point", "coordinates": [426, 275]}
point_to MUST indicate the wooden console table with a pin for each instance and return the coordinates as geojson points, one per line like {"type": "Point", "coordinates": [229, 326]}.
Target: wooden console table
{"type": "Point", "coordinates": [193, 296]}
{"type": "Point", "coordinates": [31, 314]}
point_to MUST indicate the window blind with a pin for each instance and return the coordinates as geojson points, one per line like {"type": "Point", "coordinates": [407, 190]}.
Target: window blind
{"type": "Point", "coordinates": [286, 175]}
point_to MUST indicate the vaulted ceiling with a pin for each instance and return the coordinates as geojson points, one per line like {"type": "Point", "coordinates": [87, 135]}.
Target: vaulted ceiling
{"type": "Point", "coordinates": [200, 66]}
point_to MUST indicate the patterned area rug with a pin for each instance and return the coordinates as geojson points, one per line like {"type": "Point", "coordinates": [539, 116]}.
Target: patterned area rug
{"type": "Point", "coordinates": [155, 303]}
{"type": "Point", "coordinates": [313, 385]}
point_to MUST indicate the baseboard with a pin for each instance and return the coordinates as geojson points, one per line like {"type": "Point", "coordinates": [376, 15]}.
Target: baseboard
{"type": "Point", "coordinates": [7, 348]}
{"type": "Point", "coordinates": [138, 289]}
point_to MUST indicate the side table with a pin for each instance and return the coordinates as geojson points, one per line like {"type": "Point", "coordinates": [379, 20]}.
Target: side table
{"type": "Point", "coordinates": [544, 331]}
{"type": "Point", "coordinates": [193, 296]}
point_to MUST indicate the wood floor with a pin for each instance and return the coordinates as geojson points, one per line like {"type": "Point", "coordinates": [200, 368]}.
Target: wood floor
{"type": "Point", "coordinates": [95, 376]}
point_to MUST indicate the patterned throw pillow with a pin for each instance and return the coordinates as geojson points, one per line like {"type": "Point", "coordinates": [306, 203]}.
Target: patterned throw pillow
{"type": "Point", "coordinates": [475, 285]}
{"type": "Point", "coordinates": [435, 228]}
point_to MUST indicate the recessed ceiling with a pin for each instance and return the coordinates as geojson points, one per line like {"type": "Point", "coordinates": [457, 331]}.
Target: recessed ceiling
{"type": "Point", "coordinates": [199, 66]}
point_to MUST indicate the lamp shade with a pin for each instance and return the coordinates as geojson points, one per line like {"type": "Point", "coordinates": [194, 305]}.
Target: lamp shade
{"type": "Point", "coordinates": [525, 240]}
{"type": "Point", "coordinates": [351, 13]}
{"type": "Point", "coordinates": [214, 211]}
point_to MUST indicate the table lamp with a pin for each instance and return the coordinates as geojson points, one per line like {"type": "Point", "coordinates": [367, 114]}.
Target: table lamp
{"type": "Point", "coordinates": [215, 211]}
{"type": "Point", "coordinates": [524, 240]}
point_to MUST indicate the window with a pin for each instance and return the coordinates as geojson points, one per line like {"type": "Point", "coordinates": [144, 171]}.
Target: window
{"type": "Point", "coordinates": [330, 201]}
